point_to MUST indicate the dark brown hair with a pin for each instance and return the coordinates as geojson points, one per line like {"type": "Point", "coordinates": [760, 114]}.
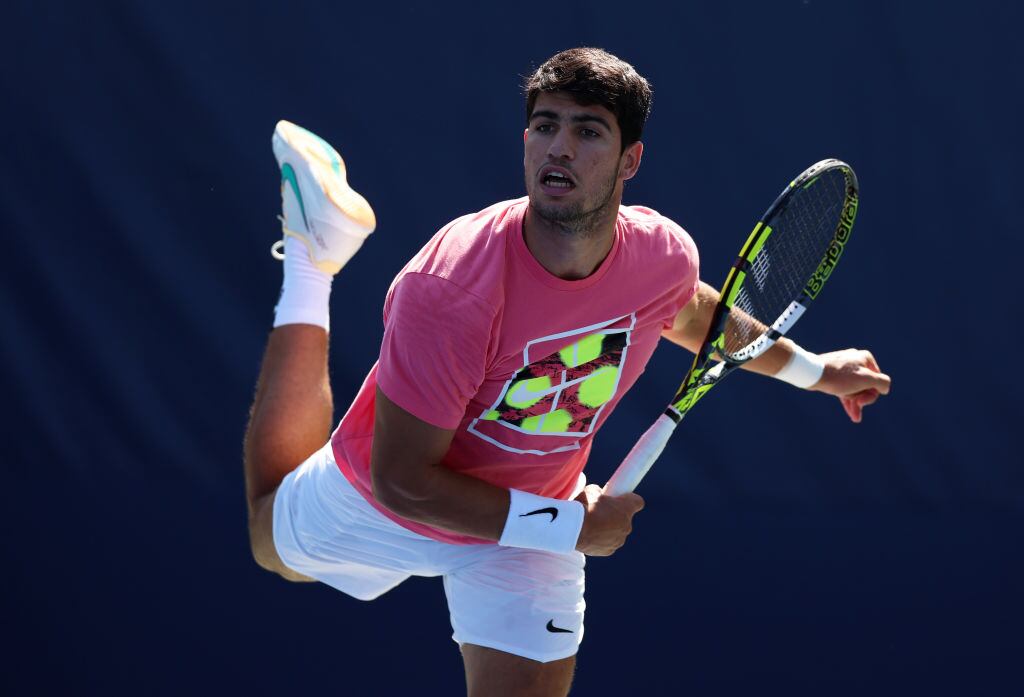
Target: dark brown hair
{"type": "Point", "coordinates": [594, 76]}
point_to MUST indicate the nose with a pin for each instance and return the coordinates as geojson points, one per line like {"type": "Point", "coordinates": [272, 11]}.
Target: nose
{"type": "Point", "coordinates": [561, 146]}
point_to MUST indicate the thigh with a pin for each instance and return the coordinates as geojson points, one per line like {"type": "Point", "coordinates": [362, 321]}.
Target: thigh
{"type": "Point", "coordinates": [324, 529]}
{"type": "Point", "coordinates": [496, 674]}
{"type": "Point", "coordinates": [523, 602]}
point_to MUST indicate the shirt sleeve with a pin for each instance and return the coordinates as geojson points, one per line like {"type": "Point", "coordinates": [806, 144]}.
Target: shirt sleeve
{"type": "Point", "coordinates": [434, 352]}
{"type": "Point", "coordinates": [683, 295]}
{"type": "Point", "coordinates": [687, 263]}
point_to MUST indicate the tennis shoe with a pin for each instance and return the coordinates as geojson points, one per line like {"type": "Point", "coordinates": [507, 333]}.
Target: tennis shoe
{"type": "Point", "coordinates": [319, 207]}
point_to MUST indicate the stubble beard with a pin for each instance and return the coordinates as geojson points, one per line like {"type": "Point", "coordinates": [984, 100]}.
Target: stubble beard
{"type": "Point", "coordinates": [574, 219]}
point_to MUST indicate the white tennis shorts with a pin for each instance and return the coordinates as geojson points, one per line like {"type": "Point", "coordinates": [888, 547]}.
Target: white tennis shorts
{"type": "Point", "coordinates": [521, 601]}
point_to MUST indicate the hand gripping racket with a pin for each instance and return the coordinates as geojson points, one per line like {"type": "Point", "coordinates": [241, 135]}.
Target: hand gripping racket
{"type": "Point", "coordinates": [780, 270]}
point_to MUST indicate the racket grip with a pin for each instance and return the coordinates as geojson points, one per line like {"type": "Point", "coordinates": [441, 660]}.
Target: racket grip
{"type": "Point", "coordinates": [641, 457]}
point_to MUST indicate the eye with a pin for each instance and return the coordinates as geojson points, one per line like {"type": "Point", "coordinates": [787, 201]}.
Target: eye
{"type": "Point", "coordinates": [543, 128]}
{"type": "Point", "coordinates": [589, 133]}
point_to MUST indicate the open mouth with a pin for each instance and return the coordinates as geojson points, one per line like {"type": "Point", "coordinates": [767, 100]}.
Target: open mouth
{"type": "Point", "coordinates": [556, 181]}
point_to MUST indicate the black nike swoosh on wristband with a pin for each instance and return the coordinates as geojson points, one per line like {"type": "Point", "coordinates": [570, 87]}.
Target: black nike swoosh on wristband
{"type": "Point", "coordinates": [553, 629]}
{"type": "Point", "coordinates": [552, 511]}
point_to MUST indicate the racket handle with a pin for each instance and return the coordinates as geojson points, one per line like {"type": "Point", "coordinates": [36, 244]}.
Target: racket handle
{"type": "Point", "coordinates": [641, 457]}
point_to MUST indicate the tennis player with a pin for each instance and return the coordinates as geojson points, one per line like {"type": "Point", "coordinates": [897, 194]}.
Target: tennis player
{"type": "Point", "coordinates": [508, 341]}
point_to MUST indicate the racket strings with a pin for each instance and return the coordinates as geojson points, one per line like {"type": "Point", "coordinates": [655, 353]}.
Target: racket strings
{"type": "Point", "coordinates": [801, 233]}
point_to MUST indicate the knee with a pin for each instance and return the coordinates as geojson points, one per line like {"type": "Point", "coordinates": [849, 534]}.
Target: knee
{"type": "Point", "coordinates": [265, 555]}
{"type": "Point", "coordinates": [259, 549]}
{"type": "Point", "coordinates": [261, 542]}
{"type": "Point", "coordinates": [261, 539]}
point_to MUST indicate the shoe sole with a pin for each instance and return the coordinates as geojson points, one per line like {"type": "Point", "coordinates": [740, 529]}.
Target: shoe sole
{"type": "Point", "coordinates": [328, 169]}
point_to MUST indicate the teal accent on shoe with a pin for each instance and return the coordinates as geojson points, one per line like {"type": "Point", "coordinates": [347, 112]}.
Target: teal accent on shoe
{"type": "Point", "coordinates": [331, 153]}
{"type": "Point", "coordinates": [288, 175]}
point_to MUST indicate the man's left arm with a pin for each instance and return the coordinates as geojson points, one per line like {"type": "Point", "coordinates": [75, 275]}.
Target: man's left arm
{"type": "Point", "coordinates": [852, 375]}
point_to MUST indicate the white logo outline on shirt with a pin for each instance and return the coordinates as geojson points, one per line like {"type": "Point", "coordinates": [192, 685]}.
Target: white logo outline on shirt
{"type": "Point", "coordinates": [557, 390]}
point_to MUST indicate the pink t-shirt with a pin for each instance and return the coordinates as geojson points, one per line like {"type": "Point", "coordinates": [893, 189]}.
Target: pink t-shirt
{"type": "Point", "coordinates": [525, 366]}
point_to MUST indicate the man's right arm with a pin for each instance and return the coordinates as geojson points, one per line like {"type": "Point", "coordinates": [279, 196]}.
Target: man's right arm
{"type": "Point", "coordinates": [409, 480]}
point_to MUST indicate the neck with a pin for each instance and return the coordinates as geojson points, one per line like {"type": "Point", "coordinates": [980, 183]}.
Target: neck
{"type": "Point", "coordinates": [569, 252]}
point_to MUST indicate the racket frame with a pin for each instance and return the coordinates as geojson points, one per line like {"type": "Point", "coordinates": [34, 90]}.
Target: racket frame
{"type": "Point", "coordinates": [704, 372]}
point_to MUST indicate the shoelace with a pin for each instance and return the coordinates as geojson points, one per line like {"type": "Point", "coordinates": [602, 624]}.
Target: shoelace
{"type": "Point", "coordinates": [277, 249]}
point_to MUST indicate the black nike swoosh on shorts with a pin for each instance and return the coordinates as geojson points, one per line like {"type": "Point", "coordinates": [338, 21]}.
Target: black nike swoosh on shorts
{"type": "Point", "coordinates": [552, 511]}
{"type": "Point", "coordinates": [553, 629]}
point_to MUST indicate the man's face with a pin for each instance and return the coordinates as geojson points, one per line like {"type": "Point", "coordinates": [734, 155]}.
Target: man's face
{"type": "Point", "coordinates": [573, 161]}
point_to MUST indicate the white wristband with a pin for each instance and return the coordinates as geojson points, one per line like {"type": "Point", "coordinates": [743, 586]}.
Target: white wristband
{"type": "Point", "coordinates": [803, 369]}
{"type": "Point", "coordinates": [536, 522]}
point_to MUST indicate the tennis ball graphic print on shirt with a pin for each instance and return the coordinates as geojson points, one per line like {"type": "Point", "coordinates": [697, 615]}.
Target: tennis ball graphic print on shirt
{"type": "Point", "coordinates": [564, 384]}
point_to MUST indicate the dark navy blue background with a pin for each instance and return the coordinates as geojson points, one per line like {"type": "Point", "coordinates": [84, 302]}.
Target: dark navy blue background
{"type": "Point", "coordinates": [805, 556]}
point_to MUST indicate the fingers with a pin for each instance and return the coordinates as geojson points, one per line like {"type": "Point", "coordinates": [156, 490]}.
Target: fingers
{"type": "Point", "coordinates": [869, 361]}
{"type": "Point", "coordinates": [635, 500]}
{"type": "Point", "coordinates": [876, 381]}
{"type": "Point", "coordinates": [867, 397]}
{"type": "Point", "coordinates": [854, 404]}
{"type": "Point", "coordinates": [880, 380]}
{"type": "Point", "coordinates": [857, 380]}
{"type": "Point", "coordinates": [853, 410]}
{"type": "Point", "coordinates": [608, 522]}
{"type": "Point", "coordinates": [852, 371]}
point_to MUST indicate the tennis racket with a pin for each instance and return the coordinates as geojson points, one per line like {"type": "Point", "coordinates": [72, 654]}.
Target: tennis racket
{"type": "Point", "coordinates": [784, 264]}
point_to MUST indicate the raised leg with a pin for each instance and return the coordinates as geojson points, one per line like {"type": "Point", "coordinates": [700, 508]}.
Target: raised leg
{"type": "Point", "coordinates": [324, 224]}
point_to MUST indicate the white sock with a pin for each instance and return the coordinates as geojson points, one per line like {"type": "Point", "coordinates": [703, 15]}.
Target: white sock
{"type": "Point", "coordinates": [306, 290]}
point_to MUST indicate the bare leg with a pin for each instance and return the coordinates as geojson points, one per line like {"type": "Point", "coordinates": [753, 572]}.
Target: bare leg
{"type": "Point", "coordinates": [289, 421]}
{"type": "Point", "coordinates": [498, 674]}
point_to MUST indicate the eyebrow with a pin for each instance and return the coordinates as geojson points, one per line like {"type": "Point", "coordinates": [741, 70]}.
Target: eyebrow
{"type": "Point", "coordinates": [576, 118]}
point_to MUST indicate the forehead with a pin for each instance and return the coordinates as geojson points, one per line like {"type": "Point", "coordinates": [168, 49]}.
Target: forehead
{"type": "Point", "coordinates": [566, 108]}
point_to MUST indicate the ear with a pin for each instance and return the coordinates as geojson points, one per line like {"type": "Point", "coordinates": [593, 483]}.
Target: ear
{"type": "Point", "coordinates": [526, 133]}
{"type": "Point", "coordinates": [629, 163]}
